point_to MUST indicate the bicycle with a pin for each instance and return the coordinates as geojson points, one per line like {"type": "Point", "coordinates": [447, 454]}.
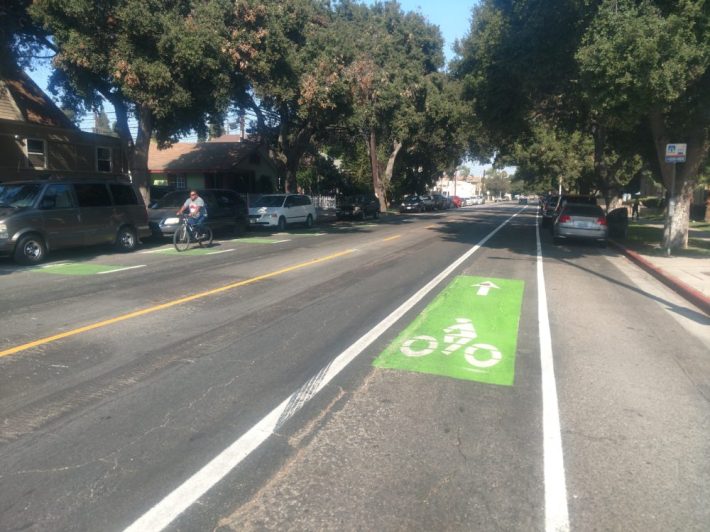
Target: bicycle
{"type": "Point", "coordinates": [186, 233]}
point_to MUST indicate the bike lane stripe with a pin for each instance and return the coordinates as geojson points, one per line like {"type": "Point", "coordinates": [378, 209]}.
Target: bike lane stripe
{"type": "Point", "coordinates": [78, 268]}
{"type": "Point", "coordinates": [468, 332]}
{"type": "Point", "coordinates": [185, 495]}
{"type": "Point", "coordinates": [169, 304]}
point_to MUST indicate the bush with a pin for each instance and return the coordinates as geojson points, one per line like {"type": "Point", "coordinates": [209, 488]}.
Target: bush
{"type": "Point", "coordinates": [652, 202]}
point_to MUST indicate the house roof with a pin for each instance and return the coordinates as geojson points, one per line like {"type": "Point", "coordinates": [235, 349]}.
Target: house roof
{"type": "Point", "coordinates": [22, 100]}
{"type": "Point", "coordinates": [200, 157]}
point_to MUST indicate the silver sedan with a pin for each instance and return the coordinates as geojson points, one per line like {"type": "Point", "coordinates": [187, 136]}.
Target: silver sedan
{"type": "Point", "coordinates": [579, 221]}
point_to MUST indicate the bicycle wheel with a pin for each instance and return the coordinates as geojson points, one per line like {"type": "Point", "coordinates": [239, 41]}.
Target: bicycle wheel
{"type": "Point", "coordinates": [181, 238]}
{"type": "Point", "coordinates": [206, 237]}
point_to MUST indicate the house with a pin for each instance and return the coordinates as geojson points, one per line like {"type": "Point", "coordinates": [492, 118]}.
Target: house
{"type": "Point", "coordinates": [226, 162]}
{"type": "Point", "coordinates": [464, 188]}
{"type": "Point", "coordinates": [37, 139]}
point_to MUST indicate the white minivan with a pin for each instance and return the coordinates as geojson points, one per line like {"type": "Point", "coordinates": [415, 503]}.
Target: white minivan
{"type": "Point", "coordinates": [280, 210]}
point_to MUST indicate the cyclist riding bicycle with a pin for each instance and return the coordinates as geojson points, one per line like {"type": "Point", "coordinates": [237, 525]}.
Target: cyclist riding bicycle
{"type": "Point", "coordinates": [197, 209]}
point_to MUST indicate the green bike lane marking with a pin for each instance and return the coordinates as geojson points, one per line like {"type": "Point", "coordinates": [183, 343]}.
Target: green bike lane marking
{"type": "Point", "coordinates": [468, 332]}
{"type": "Point", "coordinates": [78, 268]}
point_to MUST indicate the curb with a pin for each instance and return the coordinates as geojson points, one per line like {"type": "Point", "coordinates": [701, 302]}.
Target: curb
{"type": "Point", "coordinates": [696, 297]}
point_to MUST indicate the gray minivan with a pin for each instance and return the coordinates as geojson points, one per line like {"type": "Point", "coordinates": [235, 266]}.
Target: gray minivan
{"type": "Point", "coordinates": [40, 216]}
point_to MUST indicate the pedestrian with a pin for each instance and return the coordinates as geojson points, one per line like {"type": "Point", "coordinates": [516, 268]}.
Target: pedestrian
{"type": "Point", "coordinates": [635, 209]}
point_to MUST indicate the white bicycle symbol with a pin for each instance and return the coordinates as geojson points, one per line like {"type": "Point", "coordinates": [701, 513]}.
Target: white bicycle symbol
{"type": "Point", "coordinates": [458, 336]}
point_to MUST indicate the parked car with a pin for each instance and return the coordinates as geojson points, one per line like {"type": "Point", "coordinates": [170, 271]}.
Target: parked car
{"type": "Point", "coordinates": [440, 202]}
{"type": "Point", "coordinates": [456, 201]}
{"type": "Point", "coordinates": [41, 216]}
{"type": "Point", "coordinates": [580, 221]}
{"type": "Point", "coordinates": [552, 205]}
{"type": "Point", "coordinates": [427, 202]}
{"type": "Point", "coordinates": [358, 207]}
{"type": "Point", "coordinates": [280, 210]}
{"type": "Point", "coordinates": [522, 200]}
{"type": "Point", "coordinates": [412, 204]}
{"type": "Point", "coordinates": [225, 210]}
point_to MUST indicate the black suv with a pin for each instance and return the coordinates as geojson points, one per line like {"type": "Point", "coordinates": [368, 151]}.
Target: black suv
{"type": "Point", "coordinates": [358, 207]}
{"type": "Point", "coordinates": [225, 210]}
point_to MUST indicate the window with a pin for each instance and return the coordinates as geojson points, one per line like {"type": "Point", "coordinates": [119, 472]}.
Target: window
{"type": "Point", "coordinates": [123, 194]}
{"type": "Point", "coordinates": [103, 160]}
{"type": "Point", "coordinates": [180, 182]}
{"type": "Point", "coordinates": [92, 195]}
{"type": "Point", "coordinates": [36, 153]}
{"type": "Point", "coordinates": [57, 196]}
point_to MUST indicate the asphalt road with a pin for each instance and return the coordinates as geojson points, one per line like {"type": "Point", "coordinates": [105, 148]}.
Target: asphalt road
{"type": "Point", "coordinates": [233, 388]}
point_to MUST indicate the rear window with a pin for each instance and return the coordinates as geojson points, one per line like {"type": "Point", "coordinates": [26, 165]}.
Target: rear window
{"type": "Point", "coordinates": [583, 210]}
{"type": "Point", "coordinates": [123, 195]}
{"type": "Point", "coordinates": [92, 195]}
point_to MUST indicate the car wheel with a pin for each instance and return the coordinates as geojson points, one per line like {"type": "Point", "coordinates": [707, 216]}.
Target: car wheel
{"type": "Point", "coordinates": [309, 221]}
{"type": "Point", "coordinates": [281, 226]}
{"type": "Point", "coordinates": [30, 249]}
{"type": "Point", "coordinates": [126, 239]}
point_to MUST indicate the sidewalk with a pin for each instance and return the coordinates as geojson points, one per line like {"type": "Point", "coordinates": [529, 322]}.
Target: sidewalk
{"type": "Point", "coordinates": [687, 274]}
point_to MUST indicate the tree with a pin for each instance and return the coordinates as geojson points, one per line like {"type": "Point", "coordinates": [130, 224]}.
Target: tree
{"type": "Point", "coordinates": [393, 68]}
{"type": "Point", "coordinates": [166, 63]}
{"type": "Point", "coordinates": [648, 62]}
{"type": "Point", "coordinates": [554, 158]}
{"type": "Point", "coordinates": [296, 79]}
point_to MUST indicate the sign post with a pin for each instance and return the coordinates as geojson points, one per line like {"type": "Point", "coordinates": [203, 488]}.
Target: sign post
{"type": "Point", "coordinates": [675, 153]}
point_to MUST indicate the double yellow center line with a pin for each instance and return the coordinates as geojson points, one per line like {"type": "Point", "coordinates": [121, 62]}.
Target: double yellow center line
{"type": "Point", "coordinates": [169, 304]}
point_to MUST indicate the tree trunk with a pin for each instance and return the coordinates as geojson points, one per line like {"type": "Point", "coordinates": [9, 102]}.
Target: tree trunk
{"type": "Point", "coordinates": [139, 172]}
{"type": "Point", "coordinates": [374, 163]}
{"type": "Point", "coordinates": [680, 196]}
{"type": "Point", "coordinates": [389, 170]}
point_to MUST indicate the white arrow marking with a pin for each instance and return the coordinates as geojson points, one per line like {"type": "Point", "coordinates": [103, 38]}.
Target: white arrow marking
{"type": "Point", "coordinates": [484, 288]}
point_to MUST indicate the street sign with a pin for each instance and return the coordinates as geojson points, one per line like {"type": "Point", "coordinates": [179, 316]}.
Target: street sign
{"type": "Point", "coordinates": [675, 153]}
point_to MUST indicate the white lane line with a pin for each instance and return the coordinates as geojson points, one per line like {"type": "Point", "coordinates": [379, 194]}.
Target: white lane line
{"type": "Point", "coordinates": [220, 251]}
{"type": "Point", "coordinates": [163, 513]}
{"type": "Point", "coordinates": [556, 513]}
{"type": "Point", "coordinates": [122, 269]}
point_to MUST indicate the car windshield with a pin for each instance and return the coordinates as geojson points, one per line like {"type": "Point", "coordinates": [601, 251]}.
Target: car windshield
{"type": "Point", "coordinates": [269, 201]}
{"type": "Point", "coordinates": [171, 199]}
{"type": "Point", "coordinates": [411, 199]}
{"type": "Point", "coordinates": [20, 195]}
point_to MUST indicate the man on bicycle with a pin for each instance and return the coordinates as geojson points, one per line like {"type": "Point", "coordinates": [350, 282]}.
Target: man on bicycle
{"type": "Point", "coordinates": [196, 207]}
